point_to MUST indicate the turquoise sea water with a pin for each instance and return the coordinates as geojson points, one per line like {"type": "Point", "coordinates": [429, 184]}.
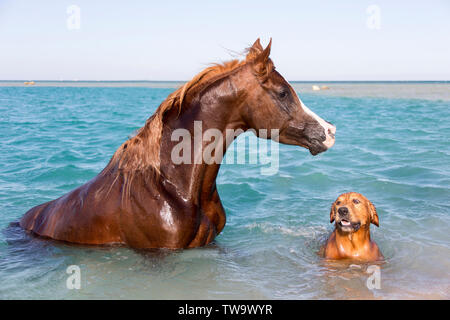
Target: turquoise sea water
{"type": "Point", "coordinates": [392, 146]}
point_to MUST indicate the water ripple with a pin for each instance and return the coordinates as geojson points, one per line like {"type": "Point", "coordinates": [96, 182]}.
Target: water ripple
{"type": "Point", "coordinates": [395, 151]}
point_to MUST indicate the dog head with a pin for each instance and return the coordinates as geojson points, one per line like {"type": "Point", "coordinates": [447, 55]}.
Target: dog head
{"type": "Point", "coordinates": [351, 211]}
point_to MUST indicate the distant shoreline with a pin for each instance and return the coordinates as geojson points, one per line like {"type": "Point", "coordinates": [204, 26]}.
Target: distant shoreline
{"type": "Point", "coordinates": [429, 90]}
{"type": "Point", "coordinates": [182, 81]}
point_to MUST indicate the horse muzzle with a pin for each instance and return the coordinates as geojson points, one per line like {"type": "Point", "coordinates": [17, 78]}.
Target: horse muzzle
{"type": "Point", "coordinates": [320, 142]}
{"type": "Point", "coordinates": [324, 131]}
{"type": "Point", "coordinates": [313, 137]}
{"type": "Point", "coordinates": [330, 132]}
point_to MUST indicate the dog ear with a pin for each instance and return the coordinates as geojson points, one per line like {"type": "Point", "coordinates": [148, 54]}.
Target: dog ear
{"type": "Point", "coordinates": [333, 212]}
{"type": "Point", "coordinates": [373, 214]}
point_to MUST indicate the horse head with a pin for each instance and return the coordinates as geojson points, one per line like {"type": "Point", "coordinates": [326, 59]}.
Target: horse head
{"type": "Point", "coordinates": [272, 104]}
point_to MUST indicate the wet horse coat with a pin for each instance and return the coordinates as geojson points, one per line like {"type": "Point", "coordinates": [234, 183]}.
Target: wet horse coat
{"type": "Point", "coordinates": [143, 199]}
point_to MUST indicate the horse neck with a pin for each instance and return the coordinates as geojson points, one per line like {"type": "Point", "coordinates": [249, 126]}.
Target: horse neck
{"type": "Point", "coordinates": [214, 107]}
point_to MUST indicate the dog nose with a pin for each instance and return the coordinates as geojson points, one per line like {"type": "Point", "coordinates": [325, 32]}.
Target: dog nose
{"type": "Point", "coordinates": [343, 211]}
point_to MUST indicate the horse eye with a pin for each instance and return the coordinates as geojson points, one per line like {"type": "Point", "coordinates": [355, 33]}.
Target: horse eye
{"type": "Point", "coordinates": [355, 201]}
{"type": "Point", "coordinates": [283, 94]}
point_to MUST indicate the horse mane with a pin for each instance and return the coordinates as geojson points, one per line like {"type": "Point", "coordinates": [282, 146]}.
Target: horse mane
{"type": "Point", "coordinates": [141, 153]}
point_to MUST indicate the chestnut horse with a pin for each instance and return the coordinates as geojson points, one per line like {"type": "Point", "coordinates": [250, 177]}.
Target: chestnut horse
{"type": "Point", "coordinates": [142, 199]}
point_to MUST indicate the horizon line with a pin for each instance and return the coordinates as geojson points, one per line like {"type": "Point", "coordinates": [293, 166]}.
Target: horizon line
{"type": "Point", "coordinates": [135, 80]}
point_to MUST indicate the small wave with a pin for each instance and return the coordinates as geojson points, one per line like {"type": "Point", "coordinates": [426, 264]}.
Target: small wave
{"type": "Point", "coordinates": [307, 232]}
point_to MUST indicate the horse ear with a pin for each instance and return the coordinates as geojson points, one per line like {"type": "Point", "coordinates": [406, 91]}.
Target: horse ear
{"type": "Point", "coordinates": [373, 215]}
{"type": "Point", "coordinates": [264, 55]}
{"type": "Point", "coordinates": [261, 63]}
{"type": "Point", "coordinates": [257, 46]}
{"type": "Point", "coordinates": [255, 50]}
{"type": "Point", "coordinates": [333, 212]}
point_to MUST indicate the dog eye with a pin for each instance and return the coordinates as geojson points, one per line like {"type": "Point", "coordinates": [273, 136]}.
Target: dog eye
{"type": "Point", "coordinates": [338, 202]}
{"type": "Point", "coordinates": [355, 201]}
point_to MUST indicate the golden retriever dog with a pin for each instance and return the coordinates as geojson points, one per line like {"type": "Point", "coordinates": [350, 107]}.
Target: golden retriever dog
{"type": "Point", "coordinates": [352, 213]}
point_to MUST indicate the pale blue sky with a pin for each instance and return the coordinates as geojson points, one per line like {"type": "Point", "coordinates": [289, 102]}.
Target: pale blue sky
{"type": "Point", "coordinates": [173, 40]}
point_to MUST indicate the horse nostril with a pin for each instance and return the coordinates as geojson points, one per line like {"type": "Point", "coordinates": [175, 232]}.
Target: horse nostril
{"type": "Point", "coordinates": [331, 133]}
{"type": "Point", "coordinates": [343, 211]}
